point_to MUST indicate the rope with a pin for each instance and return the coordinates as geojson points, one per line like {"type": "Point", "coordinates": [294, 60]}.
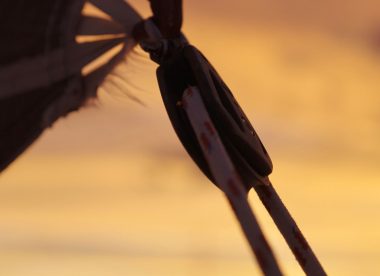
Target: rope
{"type": "Point", "coordinates": [228, 180]}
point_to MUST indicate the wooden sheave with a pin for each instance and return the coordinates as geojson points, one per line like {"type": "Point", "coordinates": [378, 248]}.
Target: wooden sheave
{"type": "Point", "coordinates": [41, 62]}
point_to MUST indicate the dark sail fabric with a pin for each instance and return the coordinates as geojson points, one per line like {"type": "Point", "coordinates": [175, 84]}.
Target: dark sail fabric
{"type": "Point", "coordinates": [30, 28]}
{"type": "Point", "coordinates": [41, 63]}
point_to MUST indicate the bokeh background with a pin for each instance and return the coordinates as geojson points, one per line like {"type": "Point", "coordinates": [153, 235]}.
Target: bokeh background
{"type": "Point", "coordinates": [110, 191]}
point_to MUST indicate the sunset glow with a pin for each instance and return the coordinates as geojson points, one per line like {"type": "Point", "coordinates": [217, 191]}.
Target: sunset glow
{"type": "Point", "coordinates": [109, 190]}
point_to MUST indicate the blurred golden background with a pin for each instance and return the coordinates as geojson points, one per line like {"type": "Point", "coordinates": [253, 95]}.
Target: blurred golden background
{"type": "Point", "coordinates": [110, 191]}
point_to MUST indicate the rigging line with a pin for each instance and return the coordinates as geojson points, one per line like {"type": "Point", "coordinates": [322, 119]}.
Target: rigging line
{"type": "Point", "coordinates": [228, 180]}
{"type": "Point", "coordinates": [289, 230]}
